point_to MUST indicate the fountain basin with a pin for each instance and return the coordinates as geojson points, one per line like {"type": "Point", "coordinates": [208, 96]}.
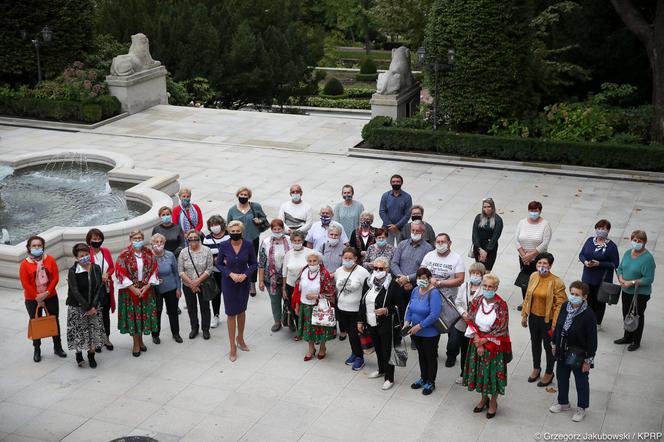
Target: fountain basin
{"type": "Point", "coordinates": [151, 188]}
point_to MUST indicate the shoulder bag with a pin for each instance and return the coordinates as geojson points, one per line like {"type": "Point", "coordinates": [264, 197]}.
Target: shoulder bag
{"type": "Point", "coordinates": [264, 225]}
{"type": "Point", "coordinates": [631, 321]}
{"type": "Point", "coordinates": [608, 292]}
{"type": "Point", "coordinates": [522, 280]}
{"type": "Point", "coordinates": [449, 315]}
{"type": "Point", "coordinates": [323, 315]}
{"type": "Point", "coordinates": [41, 327]}
{"type": "Point", "coordinates": [399, 353]}
{"type": "Point", "coordinates": [574, 356]}
{"type": "Point", "coordinates": [208, 287]}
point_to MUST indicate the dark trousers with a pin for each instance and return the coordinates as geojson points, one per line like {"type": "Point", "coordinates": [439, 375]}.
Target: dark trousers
{"type": "Point", "coordinates": [641, 304]}
{"type": "Point", "coordinates": [383, 346]}
{"type": "Point", "coordinates": [171, 301]}
{"type": "Point", "coordinates": [349, 321]}
{"type": "Point", "coordinates": [596, 306]}
{"type": "Point", "coordinates": [216, 301]}
{"type": "Point", "coordinates": [454, 343]}
{"type": "Point", "coordinates": [582, 385]}
{"type": "Point", "coordinates": [53, 307]}
{"type": "Point", "coordinates": [463, 348]}
{"type": "Point", "coordinates": [342, 326]}
{"type": "Point", "coordinates": [106, 318]}
{"type": "Point", "coordinates": [256, 243]}
{"type": "Point", "coordinates": [539, 336]}
{"type": "Point", "coordinates": [293, 316]}
{"type": "Point", "coordinates": [530, 268]}
{"type": "Point", "coordinates": [490, 257]}
{"type": "Point", "coordinates": [193, 300]}
{"type": "Point", "coordinates": [427, 352]}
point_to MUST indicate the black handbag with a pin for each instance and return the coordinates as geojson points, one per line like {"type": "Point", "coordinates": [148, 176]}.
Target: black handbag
{"type": "Point", "coordinates": [449, 315]}
{"type": "Point", "coordinates": [522, 280]}
{"type": "Point", "coordinates": [264, 225]}
{"type": "Point", "coordinates": [608, 292]}
{"type": "Point", "coordinates": [208, 287]}
{"type": "Point", "coordinates": [574, 356]}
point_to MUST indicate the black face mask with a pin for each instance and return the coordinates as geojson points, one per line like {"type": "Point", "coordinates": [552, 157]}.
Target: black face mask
{"type": "Point", "coordinates": [242, 199]}
{"type": "Point", "coordinates": [416, 218]}
{"type": "Point", "coordinates": [236, 236]}
{"type": "Point", "coordinates": [96, 244]}
{"type": "Point", "coordinates": [396, 186]}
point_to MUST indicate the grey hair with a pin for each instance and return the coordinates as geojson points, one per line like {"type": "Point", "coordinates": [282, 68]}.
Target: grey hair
{"type": "Point", "coordinates": [326, 207]}
{"type": "Point", "coordinates": [382, 260]}
{"type": "Point", "coordinates": [184, 190]}
{"type": "Point", "coordinates": [315, 253]}
{"type": "Point", "coordinates": [417, 206]}
{"type": "Point", "coordinates": [157, 236]}
{"type": "Point", "coordinates": [417, 222]}
{"type": "Point", "coordinates": [367, 214]}
{"type": "Point", "coordinates": [298, 234]}
{"type": "Point", "coordinates": [334, 227]}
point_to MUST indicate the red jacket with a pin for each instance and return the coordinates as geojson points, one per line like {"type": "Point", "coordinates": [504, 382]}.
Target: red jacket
{"type": "Point", "coordinates": [28, 271]}
{"type": "Point", "coordinates": [177, 210]}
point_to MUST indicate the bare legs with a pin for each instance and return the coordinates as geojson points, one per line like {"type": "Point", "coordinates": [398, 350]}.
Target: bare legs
{"type": "Point", "coordinates": [236, 322]}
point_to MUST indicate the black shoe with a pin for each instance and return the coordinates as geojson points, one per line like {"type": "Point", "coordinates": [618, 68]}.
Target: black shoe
{"type": "Point", "coordinates": [109, 347]}
{"type": "Point", "coordinates": [623, 340]}
{"type": "Point", "coordinates": [520, 307]}
{"type": "Point", "coordinates": [79, 359]}
{"type": "Point", "coordinates": [428, 389]}
{"type": "Point", "coordinates": [481, 409]}
{"type": "Point", "coordinates": [37, 355]}
{"type": "Point", "coordinates": [633, 346]}
{"type": "Point", "coordinates": [179, 311]}
{"type": "Point", "coordinates": [206, 334]}
{"type": "Point", "coordinates": [143, 348]}
{"type": "Point", "coordinates": [542, 384]}
{"type": "Point", "coordinates": [59, 352]}
{"type": "Point", "coordinates": [491, 415]}
{"type": "Point", "coordinates": [193, 334]}
{"type": "Point", "coordinates": [156, 340]}
{"type": "Point", "coordinates": [342, 338]}
{"type": "Point", "coordinates": [252, 294]}
{"type": "Point", "coordinates": [98, 349]}
{"type": "Point", "coordinates": [449, 362]}
{"type": "Point", "coordinates": [533, 379]}
{"type": "Point", "coordinates": [177, 338]}
{"type": "Point", "coordinates": [136, 354]}
{"type": "Point", "coordinates": [91, 360]}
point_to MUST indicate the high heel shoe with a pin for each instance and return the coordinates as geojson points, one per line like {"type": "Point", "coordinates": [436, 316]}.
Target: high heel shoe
{"type": "Point", "coordinates": [243, 347]}
{"type": "Point", "coordinates": [532, 379]}
{"type": "Point", "coordinates": [143, 348]}
{"type": "Point", "coordinates": [479, 409]}
{"type": "Point", "coordinates": [309, 357]}
{"type": "Point", "coordinates": [232, 357]}
{"type": "Point", "coordinates": [542, 384]}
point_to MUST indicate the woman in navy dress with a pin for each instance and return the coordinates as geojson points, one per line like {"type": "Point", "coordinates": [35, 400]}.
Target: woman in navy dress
{"type": "Point", "coordinates": [237, 262]}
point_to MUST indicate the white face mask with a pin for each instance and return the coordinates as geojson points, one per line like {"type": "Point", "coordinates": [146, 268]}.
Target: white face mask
{"type": "Point", "coordinates": [215, 229]}
{"type": "Point", "coordinates": [333, 241]}
{"type": "Point", "coordinates": [298, 246]}
{"type": "Point", "coordinates": [314, 268]}
{"type": "Point", "coordinates": [416, 236]}
{"type": "Point", "coordinates": [442, 248]}
{"type": "Point", "coordinates": [380, 274]}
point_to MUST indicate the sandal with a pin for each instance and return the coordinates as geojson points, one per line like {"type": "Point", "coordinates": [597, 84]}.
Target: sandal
{"type": "Point", "coordinates": [309, 357]}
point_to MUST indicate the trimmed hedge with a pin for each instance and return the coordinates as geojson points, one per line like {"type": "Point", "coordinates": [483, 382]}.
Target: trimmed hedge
{"type": "Point", "coordinates": [366, 77]}
{"type": "Point", "coordinates": [333, 87]}
{"type": "Point", "coordinates": [339, 103]}
{"type": "Point", "coordinates": [90, 111]}
{"type": "Point", "coordinates": [379, 134]}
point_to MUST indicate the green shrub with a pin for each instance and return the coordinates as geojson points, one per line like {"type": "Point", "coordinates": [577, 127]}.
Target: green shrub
{"type": "Point", "coordinates": [177, 92]}
{"type": "Point", "coordinates": [319, 75]}
{"type": "Point", "coordinates": [604, 155]}
{"type": "Point", "coordinates": [366, 77]}
{"type": "Point", "coordinates": [56, 110]}
{"type": "Point", "coordinates": [368, 66]}
{"type": "Point", "coordinates": [110, 106]}
{"type": "Point", "coordinates": [337, 103]}
{"type": "Point", "coordinates": [359, 92]}
{"type": "Point", "coordinates": [91, 112]}
{"type": "Point", "coordinates": [333, 87]}
{"type": "Point", "coordinates": [577, 122]}
{"type": "Point", "coordinates": [200, 90]}
{"type": "Point", "coordinates": [375, 123]}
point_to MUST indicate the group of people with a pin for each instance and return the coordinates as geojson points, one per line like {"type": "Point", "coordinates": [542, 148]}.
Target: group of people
{"type": "Point", "coordinates": [342, 277]}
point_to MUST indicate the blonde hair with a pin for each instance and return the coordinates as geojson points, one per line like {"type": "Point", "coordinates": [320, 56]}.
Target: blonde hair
{"type": "Point", "coordinates": [477, 267]}
{"type": "Point", "coordinates": [244, 189]}
{"type": "Point", "coordinates": [135, 233]}
{"type": "Point", "coordinates": [235, 223]}
{"type": "Point", "coordinates": [190, 231]}
{"type": "Point", "coordinates": [157, 236]}
{"type": "Point", "coordinates": [490, 277]}
{"type": "Point", "coordinates": [184, 190]}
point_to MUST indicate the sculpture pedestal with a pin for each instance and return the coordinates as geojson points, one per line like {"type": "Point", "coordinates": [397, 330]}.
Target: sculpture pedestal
{"type": "Point", "coordinates": [398, 106]}
{"type": "Point", "coordinates": [139, 91]}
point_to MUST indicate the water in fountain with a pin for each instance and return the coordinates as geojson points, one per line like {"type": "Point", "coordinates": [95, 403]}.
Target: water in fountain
{"type": "Point", "coordinates": [67, 191]}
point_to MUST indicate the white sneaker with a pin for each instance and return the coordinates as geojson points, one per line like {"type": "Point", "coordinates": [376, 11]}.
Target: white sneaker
{"type": "Point", "coordinates": [387, 385]}
{"type": "Point", "coordinates": [375, 374]}
{"type": "Point", "coordinates": [459, 380]}
{"type": "Point", "coordinates": [557, 408]}
{"type": "Point", "coordinates": [214, 322]}
{"type": "Point", "coordinates": [579, 414]}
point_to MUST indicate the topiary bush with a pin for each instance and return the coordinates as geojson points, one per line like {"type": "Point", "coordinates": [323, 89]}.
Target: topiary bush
{"type": "Point", "coordinates": [333, 87]}
{"type": "Point", "coordinates": [91, 112]}
{"type": "Point", "coordinates": [368, 70]}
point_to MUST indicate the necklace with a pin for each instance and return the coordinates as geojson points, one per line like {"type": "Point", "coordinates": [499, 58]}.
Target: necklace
{"type": "Point", "coordinates": [315, 275]}
{"type": "Point", "coordinates": [493, 307]}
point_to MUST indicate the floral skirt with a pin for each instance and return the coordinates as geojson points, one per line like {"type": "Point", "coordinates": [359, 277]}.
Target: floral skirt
{"type": "Point", "coordinates": [310, 332]}
{"type": "Point", "coordinates": [84, 332]}
{"type": "Point", "coordinates": [485, 374]}
{"type": "Point", "coordinates": [137, 319]}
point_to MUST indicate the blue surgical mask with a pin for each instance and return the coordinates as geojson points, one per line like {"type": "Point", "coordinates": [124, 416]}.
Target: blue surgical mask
{"type": "Point", "coordinates": [276, 235]}
{"type": "Point", "coordinates": [533, 215]}
{"type": "Point", "coordinates": [381, 242]}
{"type": "Point", "coordinates": [475, 279]}
{"type": "Point", "coordinates": [601, 233]}
{"type": "Point", "coordinates": [85, 260]}
{"type": "Point", "coordinates": [348, 263]}
{"type": "Point", "coordinates": [325, 219]}
{"type": "Point", "coordinates": [296, 197]}
{"type": "Point", "coordinates": [185, 201]}
{"type": "Point", "coordinates": [637, 245]}
{"type": "Point", "coordinates": [574, 300]}
{"type": "Point", "coordinates": [488, 294]}
{"type": "Point", "coordinates": [137, 244]}
{"type": "Point", "coordinates": [37, 252]}
{"type": "Point", "coordinates": [422, 283]}
{"type": "Point", "coordinates": [542, 270]}
{"type": "Point", "coordinates": [166, 219]}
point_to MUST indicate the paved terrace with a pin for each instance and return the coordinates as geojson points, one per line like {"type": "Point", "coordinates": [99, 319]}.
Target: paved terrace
{"type": "Point", "coordinates": [192, 392]}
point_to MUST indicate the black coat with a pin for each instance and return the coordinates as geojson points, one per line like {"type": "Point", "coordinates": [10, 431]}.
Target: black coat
{"type": "Point", "coordinates": [86, 289]}
{"type": "Point", "coordinates": [582, 333]}
{"type": "Point", "coordinates": [392, 300]}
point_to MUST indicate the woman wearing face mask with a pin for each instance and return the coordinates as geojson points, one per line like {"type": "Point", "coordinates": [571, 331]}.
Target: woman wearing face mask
{"type": "Point", "coordinates": [296, 214]}
{"type": "Point", "coordinates": [270, 268]}
{"type": "Point", "coordinates": [168, 290]}
{"type": "Point", "coordinates": [314, 282]}
{"type": "Point", "coordinates": [600, 258]}
{"type": "Point", "coordinates": [171, 231]}
{"type": "Point", "coordinates": [85, 328]}
{"type": "Point", "coordinates": [532, 238]}
{"type": "Point", "coordinates": [636, 274]}
{"type": "Point", "coordinates": [487, 228]}
{"type": "Point", "coordinates": [364, 235]}
{"type": "Point", "coordinates": [218, 234]}
{"type": "Point", "coordinates": [349, 280]}
{"type": "Point", "coordinates": [422, 312]}
{"type": "Point", "coordinates": [380, 249]}
{"type": "Point", "coordinates": [136, 271]}
{"type": "Point", "coordinates": [468, 291]}
{"type": "Point", "coordinates": [237, 262]}
{"type": "Point", "coordinates": [575, 344]}
{"type": "Point", "coordinates": [294, 261]}
{"type": "Point", "coordinates": [195, 266]}
{"type": "Point", "coordinates": [252, 217]}
{"type": "Point", "coordinates": [187, 214]}
{"type": "Point", "coordinates": [348, 213]}
{"type": "Point", "coordinates": [490, 347]}
{"type": "Point", "coordinates": [380, 315]}
{"type": "Point", "coordinates": [39, 276]}
{"type": "Point", "coordinates": [102, 257]}
{"type": "Point", "coordinates": [544, 297]}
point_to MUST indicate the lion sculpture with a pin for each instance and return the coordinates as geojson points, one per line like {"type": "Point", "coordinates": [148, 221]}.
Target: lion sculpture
{"type": "Point", "coordinates": [138, 59]}
{"type": "Point", "coordinates": [398, 77]}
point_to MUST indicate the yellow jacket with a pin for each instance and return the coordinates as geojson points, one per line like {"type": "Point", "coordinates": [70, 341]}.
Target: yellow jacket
{"type": "Point", "coordinates": [555, 297]}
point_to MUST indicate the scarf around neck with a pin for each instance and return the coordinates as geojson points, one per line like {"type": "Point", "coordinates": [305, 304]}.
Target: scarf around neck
{"type": "Point", "coordinates": [571, 314]}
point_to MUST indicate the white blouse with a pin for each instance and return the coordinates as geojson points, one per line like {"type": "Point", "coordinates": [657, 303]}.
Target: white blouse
{"type": "Point", "coordinates": [483, 320]}
{"type": "Point", "coordinates": [308, 286]}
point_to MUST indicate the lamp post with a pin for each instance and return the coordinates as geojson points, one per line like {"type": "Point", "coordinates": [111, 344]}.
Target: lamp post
{"type": "Point", "coordinates": [46, 36]}
{"type": "Point", "coordinates": [436, 66]}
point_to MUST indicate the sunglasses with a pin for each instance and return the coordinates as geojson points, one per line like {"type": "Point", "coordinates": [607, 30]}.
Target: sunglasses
{"type": "Point", "coordinates": [380, 269]}
{"type": "Point", "coordinates": [194, 239]}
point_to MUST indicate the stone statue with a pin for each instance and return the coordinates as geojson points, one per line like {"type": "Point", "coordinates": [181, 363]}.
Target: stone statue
{"type": "Point", "coordinates": [399, 77]}
{"type": "Point", "coordinates": [138, 59]}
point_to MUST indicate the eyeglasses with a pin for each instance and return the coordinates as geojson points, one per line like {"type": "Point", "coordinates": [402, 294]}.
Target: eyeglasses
{"type": "Point", "coordinates": [380, 269]}
{"type": "Point", "coordinates": [194, 239]}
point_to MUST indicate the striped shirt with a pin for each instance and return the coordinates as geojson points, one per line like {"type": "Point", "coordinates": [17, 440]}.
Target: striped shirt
{"type": "Point", "coordinates": [533, 236]}
{"type": "Point", "coordinates": [213, 244]}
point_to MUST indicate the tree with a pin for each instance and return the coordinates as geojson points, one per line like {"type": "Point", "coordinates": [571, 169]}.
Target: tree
{"type": "Point", "coordinates": [491, 76]}
{"type": "Point", "coordinates": [402, 20]}
{"type": "Point", "coordinates": [651, 36]}
{"type": "Point", "coordinates": [353, 16]}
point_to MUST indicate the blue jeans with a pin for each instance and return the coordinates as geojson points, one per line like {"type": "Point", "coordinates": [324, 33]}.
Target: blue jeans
{"type": "Point", "coordinates": [581, 381]}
